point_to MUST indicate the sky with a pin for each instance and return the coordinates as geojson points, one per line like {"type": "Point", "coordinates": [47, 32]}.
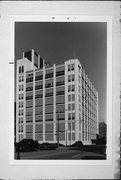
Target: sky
{"type": "Point", "coordinates": [60, 41]}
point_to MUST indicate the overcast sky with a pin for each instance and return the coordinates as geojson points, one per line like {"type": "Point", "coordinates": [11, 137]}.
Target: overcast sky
{"type": "Point", "coordinates": [57, 42]}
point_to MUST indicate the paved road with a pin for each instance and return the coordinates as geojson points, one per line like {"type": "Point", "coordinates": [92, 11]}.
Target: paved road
{"type": "Point", "coordinates": [56, 154]}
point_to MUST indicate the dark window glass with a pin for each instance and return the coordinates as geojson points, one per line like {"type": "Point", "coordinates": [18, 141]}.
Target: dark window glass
{"type": "Point", "coordinates": [19, 70]}
{"type": "Point", "coordinates": [39, 77]}
{"type": "Point", "coordinates": [60, 73]}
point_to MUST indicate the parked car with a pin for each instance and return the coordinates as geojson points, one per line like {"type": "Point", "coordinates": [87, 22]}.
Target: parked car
{"type": "Point", "coordinates": [27, 145]}
{"type": "Point", "coordinates": [48, 146]}
{"type": "Point", "coordinates": [77, 144]}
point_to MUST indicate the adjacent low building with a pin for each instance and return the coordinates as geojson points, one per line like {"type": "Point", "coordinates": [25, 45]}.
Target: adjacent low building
{"type": "Point", "coordinates": [56, 102]}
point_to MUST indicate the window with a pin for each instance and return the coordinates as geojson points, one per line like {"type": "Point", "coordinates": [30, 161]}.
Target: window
{"type": "Point", "coordinates": [22, 69]}
{"type": "Point", "coordinates": [22, 112]}
{"type": "Point", "coordinates": [69, 116]}
{"type": "Point", "coordinates": [73, 88]}
{"type": "Point", "coordinates": [73, 126]}
{"type": "Point", "coordinates": [20, 96]}
{"type": "Point", "coordinates": [69, 88]}
{"type": "Point", "coordinates": [69, 97]}
{"type": "Point", "coordinates": [70, 78]}
{"type": "Point", "coordinates": [69, 107]}
{"type": "Point", "coordinates": [22, 78]}
{"type": "Point", "coordinates": [73, 115]}
{"type": "Point", "coordinates": [19, 78]}
{"type": "Point", "coordinates": [21, 87]}
{"type": "Point", "coordinates": [69, 126]}
{"type": "Point", "coordinates": [73, 97]}
{"type": "Point", "coordinates": [73, 106]}
{"type": "Point", "coordinates": [19, 69]}
{"type": "Point", "coordinates": [70, 67]}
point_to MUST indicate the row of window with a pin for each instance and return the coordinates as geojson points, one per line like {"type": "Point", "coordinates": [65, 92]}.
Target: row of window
{"type": "Point", "coordinates": [47, 76]}
{"type": "Point", "coordinates": [46, 86]}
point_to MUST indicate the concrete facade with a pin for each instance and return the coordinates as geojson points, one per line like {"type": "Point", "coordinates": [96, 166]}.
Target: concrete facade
{"type": "Point", "coordinates": [52, 99]}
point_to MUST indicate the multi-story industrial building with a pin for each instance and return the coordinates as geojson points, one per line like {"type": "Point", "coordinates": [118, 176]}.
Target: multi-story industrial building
{"type": "Point", "coordinates": [54, 102]}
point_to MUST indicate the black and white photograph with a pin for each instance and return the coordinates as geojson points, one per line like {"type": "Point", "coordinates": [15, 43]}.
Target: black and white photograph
{"type": "Point", "coordinates": [60, 90]}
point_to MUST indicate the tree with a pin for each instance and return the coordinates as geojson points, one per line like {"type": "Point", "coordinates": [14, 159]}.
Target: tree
{"type": "Point", "coordinates": [102, 130]}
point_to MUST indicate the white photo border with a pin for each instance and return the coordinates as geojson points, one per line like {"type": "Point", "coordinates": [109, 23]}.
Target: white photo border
{"type": "Point", "coordinates": [62, 18]}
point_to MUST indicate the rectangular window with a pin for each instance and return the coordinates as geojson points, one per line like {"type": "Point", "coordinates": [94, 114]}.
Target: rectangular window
{"type": "Point", "coordinates": [73, 106]}
{"type": "Point", "coordinates": [72, 67]}
{"type": "Point", "coordinates": [73, 136]}
{"type": "Point", "coordinates": [73, 97]}
{"type": "Point", "coordinates": [20, 96]}
{"type": "Point", "coordinates": [69, 67]}
{"type": "Point", "coordinates": [73, 87]}
{"type": "Point", "coordinates": [69, 107]}
{"type": "Point", "coordinates": [69, 88]}
{"type": "Point", "coordinates": [69, 126]}
{"type": "Point", "coordinates": [69, 97]}
{"type": "Point", "coordinates": [69, 116]}
{"type": "Point", "coordinates": [19, 78]}
{"type": "Point", "coordinates": [73, 126]}
{"type": "Point", "coordinates": [22, 69]}
{"type": "Point", "coordinates": [22, 78]}
{"type": "Point", "coordinates": [72, 77]}
{"type": "Point", "coordinates": [69, 78]}
{"type": "Point", "coordinates": [73, 115]}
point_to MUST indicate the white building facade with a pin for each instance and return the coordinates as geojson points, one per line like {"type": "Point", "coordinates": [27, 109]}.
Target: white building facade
{"type": "Point", "coordinates": [52, 102]}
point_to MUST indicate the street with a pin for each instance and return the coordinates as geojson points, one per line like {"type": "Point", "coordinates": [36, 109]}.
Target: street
{"type": "Point", "coordinates": [62, 154]}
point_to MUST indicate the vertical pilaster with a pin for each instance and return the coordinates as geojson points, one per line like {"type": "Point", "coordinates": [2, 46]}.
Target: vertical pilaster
{"type": "Point", "coordinates": [17, 94]}
{"type": "Point", "coordinates": [54, 103]}
{"type": "Point", "coordinates": [33, 95]}
{"type": "Point", "coordinates": [43, 101]}
{"type": "Point", "coordinates": [76, 102]}
{"type": "Point", "coordinates": [66, 104]}
{"type": "Point", "coordinates": [24, 100]}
